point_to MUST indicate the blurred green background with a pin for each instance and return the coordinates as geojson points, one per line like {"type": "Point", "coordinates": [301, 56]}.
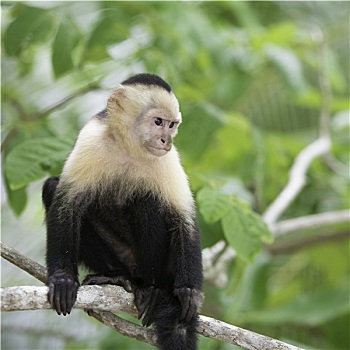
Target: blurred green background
{"type": "Point", "coordinates": [247, 78]}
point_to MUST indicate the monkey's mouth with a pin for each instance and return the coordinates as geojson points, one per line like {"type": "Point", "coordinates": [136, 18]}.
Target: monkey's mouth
{"type": "Point", "coordinates": [159, 151]}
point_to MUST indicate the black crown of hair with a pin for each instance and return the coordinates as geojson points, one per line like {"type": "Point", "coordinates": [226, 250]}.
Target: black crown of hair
{"type": "Point", "coordinates": [147, 79]}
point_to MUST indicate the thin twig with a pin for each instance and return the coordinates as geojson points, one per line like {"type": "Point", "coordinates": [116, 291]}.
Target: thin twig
{"type": "Point", "coordinates": [24, 263]}
{"type": "Point", "coordinates": [66, 99]}
{"type": "Point", "coordinates": [39, 115]}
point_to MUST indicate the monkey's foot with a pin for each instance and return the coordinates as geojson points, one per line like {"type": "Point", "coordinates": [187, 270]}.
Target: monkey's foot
{"type": "Point", "coordinates": [146, 300]}
{"type": "Point", "coordinates": [103, 279]}
{"type": "Point", "coordinates": [191, 300]}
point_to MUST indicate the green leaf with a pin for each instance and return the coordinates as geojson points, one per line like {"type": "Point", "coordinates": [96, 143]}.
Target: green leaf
{"type": "Point", "coordinates": [244, 230]}
{"type": "Point", "coordinates": [213, 205]}
{"type": "Point", "coordinates": [110, 29]}
{"type": "Point", "coordinates": [17, 200]}
{"type": "Point", "coordinates": [31, 25]}
{"type": "Point", "coordinates": [62, 48]}
{"type": "Point", "coordinates": [32, 159]}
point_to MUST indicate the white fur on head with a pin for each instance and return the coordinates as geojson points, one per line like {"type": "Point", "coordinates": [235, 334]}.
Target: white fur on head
{"type": "Point", "coordinates": [106, 152]}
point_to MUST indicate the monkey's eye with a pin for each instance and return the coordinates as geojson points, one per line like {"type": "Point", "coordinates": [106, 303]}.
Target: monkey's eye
{"type": "Point", "coordinates": [171, 125]}
{"type": "Point", "coordinates": [158, 121]}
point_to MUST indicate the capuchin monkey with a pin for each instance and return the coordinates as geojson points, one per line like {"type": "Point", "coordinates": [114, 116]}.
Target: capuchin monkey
{"type": "Point", "coordinates": [123, 208]}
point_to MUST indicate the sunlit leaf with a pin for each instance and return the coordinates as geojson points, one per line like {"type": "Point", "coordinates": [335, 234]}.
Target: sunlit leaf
{"type": "Point", "coordinates": [110, 29]}
{"type": "Point", "coordinates": [212, 204]}
{"type": "Point", "coordinates": [62, 47]}
{"type": "Point", "coordinates": [244, 230]}
{"type": "Point", "coordinates": [31, 25]}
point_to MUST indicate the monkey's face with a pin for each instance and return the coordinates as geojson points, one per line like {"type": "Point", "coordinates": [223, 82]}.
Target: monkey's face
{"type": "Point", "coordinates": [156, 131]}
{"type": "Point", "coordinates": [148, 117]}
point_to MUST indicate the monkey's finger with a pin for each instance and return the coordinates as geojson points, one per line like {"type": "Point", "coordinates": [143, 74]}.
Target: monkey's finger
{"type": "Point", "coordinates": [122, 282]}
{"type": "Point", "coordinates": [57, 300]}
{"type": "Point", "coordinates": [191, 312]}
{"type": "Point", "coordinates": [69, 299]}
{"type": "Point", "coordinates": [148, 317]}
{"type": "Point", "coordinates": [147, 320]}
{"type": "Point", "coordinates": [127, 286]}
{"type": "Point", "coordinates": [51, 293]}
{"type": "Point", "coordinates": [144, 298]}
{"type": "Point", "coordinates": [140, 303]}
{"type": "Point", "coordinates": [72, 290]}
{"type": "Point", "coordinates": [185, 300]}
{"type": "Point", "coordinates": [143, 307]}
{"type": "Point", "coordinates": [142, 310]}
{"type": "Point", "coordinates": [63, 298]}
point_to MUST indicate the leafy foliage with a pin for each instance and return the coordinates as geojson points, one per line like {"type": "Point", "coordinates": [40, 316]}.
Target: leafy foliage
{"type": "Point", "coordinates": [32, 159]}
{"type": "Point", "coordinates": [243, 229]}
{"type": "Point", "coordinates": [247, 77]}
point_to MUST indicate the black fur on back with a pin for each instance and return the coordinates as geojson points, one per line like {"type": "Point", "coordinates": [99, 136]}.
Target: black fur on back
{"type": "Point", "coordinates": [147, 79]}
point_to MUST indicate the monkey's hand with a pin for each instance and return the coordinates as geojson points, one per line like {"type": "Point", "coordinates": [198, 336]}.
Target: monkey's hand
{"type": "Point", "coordinates": [63, 290]}
{"type": "Point", "coordinates": [146, 301]}
{"type": "Point", "coordinates": [191, 300]}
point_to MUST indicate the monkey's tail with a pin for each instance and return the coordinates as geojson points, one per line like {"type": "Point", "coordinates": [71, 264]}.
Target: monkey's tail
{"type": "Point", "coordinates": [173, 334]}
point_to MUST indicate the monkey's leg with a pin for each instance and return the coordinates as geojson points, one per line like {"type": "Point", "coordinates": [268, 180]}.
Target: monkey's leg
{"type": "Point", "coordinates": [63, 220]}
{"type": "Point", "coordinates": [99, 279]}
{"type": "Point", "coordinates": [108, 278]}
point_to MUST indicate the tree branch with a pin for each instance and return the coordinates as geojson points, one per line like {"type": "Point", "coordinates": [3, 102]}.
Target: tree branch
{"type": "Point", "coordinates": [217, 257]}
{"type": "Point", "coordinates": [310, 221]}
{"type": "Point", "coordinates": [295, 245]}
{"type": "Point", "coordinates": [297, 178]}
{"type": "Point", "coordinates": [125, 327]}
{"type": "Point", "coordinates": [116, 299]}
{"type": "Point", "coordinates": [24, 263]}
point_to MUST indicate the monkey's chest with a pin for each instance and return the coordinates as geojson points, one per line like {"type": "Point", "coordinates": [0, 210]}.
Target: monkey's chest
{"type": "Point", "coordinates": [142, 217]}
{"type": "Point", "coordinates": [129, 232]}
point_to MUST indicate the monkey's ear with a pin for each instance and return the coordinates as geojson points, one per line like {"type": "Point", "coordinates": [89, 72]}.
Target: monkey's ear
{"type": "Point", "coordinates": [115, 101]}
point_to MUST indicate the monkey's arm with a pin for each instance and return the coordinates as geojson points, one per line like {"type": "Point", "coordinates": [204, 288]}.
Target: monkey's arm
{"type": "Point", "coordinates": [63, 229]}
{"type": "Point", "coordinates": [187, 254]}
